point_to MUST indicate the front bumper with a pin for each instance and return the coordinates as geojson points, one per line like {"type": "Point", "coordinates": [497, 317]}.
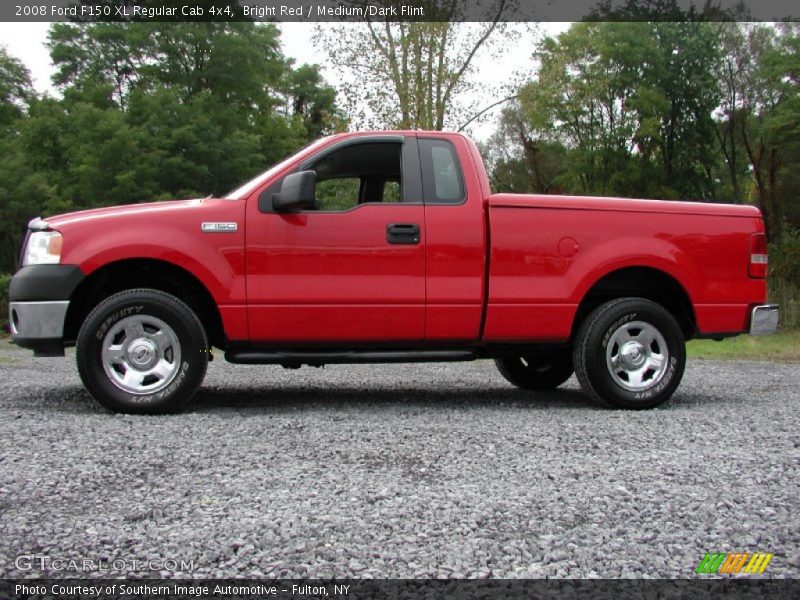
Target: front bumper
{"type": "Point", "coordinates": [764, 319]}
{"type": "Point", "coordinates": [38, 304]}
{"type": "Point", "coordinates": [39, 326]}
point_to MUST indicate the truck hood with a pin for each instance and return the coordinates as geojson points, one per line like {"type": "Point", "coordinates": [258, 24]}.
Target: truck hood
{"type": "Point", "coordinates": [621, 204]}
{"type": "Point", "coordinates": [111, 212]}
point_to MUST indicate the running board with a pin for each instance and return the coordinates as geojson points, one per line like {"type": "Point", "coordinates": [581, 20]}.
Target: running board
{"type": "Point", "coordinates": [295, 358]}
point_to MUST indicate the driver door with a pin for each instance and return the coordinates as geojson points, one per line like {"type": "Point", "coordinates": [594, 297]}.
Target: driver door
{"type": "Point", "coordinates": [351, 269]}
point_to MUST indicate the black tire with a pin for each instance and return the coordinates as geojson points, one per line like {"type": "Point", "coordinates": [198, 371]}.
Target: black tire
{"type": "Point", "coordinates": [629, 374]}
{"type": "Point", "coordinates": [536, 372]}
{"type": "Point", "coordinates": [135, 333]}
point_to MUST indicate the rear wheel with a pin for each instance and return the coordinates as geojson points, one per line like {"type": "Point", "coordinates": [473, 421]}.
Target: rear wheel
{"type": "Point", "coordinates": [142, 351]}
{"type": "Point", "coordinates": [534, 372]}
{"type": "Point", "coordinates": [630, 353]}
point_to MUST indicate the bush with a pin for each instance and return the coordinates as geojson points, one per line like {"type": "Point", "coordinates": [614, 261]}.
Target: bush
{"type": "Point", "coordinates": [784, 277]}
{"type": "Point", "coordinates": [786, 295]}
{"type": "Point", "coordinates": [4, 281]}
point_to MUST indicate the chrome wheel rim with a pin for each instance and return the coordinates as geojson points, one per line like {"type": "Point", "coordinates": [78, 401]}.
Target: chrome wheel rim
{"type": "Point", "coordinates": [141, 354]}
{"type": "Point", "coordinates": [637, 356]}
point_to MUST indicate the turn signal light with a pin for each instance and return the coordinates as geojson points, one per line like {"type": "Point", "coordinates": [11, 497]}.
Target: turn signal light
{"type": "Point", "coordinates": [758, 256]}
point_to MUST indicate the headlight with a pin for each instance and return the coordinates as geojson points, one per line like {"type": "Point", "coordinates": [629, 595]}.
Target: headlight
{"type": "Point", "coordinates": [43, 248]}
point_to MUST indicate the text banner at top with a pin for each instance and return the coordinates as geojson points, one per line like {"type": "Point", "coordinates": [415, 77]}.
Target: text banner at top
{"type": "Point", "coordinates": [396, 10]}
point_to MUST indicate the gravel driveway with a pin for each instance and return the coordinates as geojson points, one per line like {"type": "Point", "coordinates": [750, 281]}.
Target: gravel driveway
{"type": "Point", "coordinates": [399, 471]}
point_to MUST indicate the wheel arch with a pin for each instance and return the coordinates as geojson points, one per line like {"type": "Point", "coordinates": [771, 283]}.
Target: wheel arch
{"type": "Point", "coordinates": [152, 273]}
{"type": "Point", "coordinates": [643, 282]}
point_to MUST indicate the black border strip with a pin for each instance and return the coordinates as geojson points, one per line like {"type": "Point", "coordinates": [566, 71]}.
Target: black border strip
{"type": "Point", "coordinates": [410, 589]}
{"type": "Point", "coordinates": [320, 11]}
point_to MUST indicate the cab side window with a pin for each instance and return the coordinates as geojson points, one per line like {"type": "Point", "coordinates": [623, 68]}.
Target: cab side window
{"type": "Point", "coordinates": [442, 181]}
{"type": "Point", "coordinates": [358, 174]}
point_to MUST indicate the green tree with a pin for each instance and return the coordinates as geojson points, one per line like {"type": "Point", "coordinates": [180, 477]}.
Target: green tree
{"type": "Point", "coordinates": [150, 111]}
{"type": "Point", "coordinates": [15, 89]}
{"type": "Point", "coordinates": [738, 42]}
{"type": "Point", "coordinates": [632, 103]}
{"type": "Point", "coordinates": [16, 92]}
{"type": "Point", "coordinates": [521, 160]}
{"type": "Point", "coordinates": [683, 78]}
{"type": "Point", "coordinates": [770, 131]}
{"type": "Point", "coordinates": [207, 101]}
{"type": "Point", "coordinates": [101, 56]}
{"type": "Point", "coordinates": [310, 98]}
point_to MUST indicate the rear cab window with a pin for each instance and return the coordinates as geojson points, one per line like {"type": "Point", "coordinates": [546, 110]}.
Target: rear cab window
{"type": "Point", "coordinates": [442, 178]}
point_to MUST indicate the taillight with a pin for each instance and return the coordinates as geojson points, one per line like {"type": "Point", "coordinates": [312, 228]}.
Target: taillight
{"type": "Point", "coordinates": [758, 256]}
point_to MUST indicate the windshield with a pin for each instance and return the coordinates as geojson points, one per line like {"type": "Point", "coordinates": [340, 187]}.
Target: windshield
{"type": "Point", "coordinates": [245, 189]}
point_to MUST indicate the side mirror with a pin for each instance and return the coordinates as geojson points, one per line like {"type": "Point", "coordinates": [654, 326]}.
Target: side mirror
{"type": "Point", "coordinates": [297, 192]}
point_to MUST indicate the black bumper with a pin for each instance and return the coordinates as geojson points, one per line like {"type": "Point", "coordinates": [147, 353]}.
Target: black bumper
{"type": "Point", "coordinates": [43, 283]}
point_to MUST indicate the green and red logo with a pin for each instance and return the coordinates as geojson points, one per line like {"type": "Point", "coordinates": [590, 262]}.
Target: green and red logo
{"type": "Point", "coordinates": [723, 563]}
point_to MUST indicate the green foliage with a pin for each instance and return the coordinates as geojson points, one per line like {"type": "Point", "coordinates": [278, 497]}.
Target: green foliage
{"type": "Point", "coordinates": [539, 169]}
{"type": "Point", "coordinates": [313, 101]}
{"type": "Point", "coordinates": [758, 134]}
{"type": "Point", "coordinates": [631, 104]}
{"type": "Point", "coordinates": [15, 88]}
{"type": "Point", "coordinates": [150, 111]}
{"type": "Point", "coordinates": [777, 134]}
{"type": "Point", "coordinates": [338, 194]}
{"type": "Point", "coordinates": [784, 276]}
{"type": "Point", "coordinates": [784, 257]}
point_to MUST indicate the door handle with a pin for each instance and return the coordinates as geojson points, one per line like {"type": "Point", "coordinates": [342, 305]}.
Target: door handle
{"type": "Point", "coordinates": [402, 233]}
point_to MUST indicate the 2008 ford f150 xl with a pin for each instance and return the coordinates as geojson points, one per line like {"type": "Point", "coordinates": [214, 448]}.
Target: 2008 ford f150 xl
{"type": "Point", "coordinates": [389, 247]}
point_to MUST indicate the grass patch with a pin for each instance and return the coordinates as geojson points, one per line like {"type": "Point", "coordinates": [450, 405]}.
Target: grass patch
{"type": "Point", "coordinates": [783, 346]}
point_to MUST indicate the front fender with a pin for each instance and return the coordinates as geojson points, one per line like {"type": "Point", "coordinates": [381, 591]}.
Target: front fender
{"type": "Point", "coordinates": [174, 234]}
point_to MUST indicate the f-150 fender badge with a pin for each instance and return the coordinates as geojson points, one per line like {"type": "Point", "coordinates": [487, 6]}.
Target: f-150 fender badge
{"type": "Point", "coordinates": [219, 227]}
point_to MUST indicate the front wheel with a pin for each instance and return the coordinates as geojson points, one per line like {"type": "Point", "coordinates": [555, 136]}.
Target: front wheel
{"type": "Point", "coordinates": [142, 351]}
{"type": "Point", "coordinates": [630, 353]}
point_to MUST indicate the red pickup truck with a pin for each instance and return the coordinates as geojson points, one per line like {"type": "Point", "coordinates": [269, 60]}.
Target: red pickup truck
{"type": "Point", "coordinates": [386, 247]}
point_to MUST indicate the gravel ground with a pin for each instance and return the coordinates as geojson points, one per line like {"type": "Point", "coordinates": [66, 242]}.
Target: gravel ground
{"type": "Point", "coordinates": [440, 470]}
